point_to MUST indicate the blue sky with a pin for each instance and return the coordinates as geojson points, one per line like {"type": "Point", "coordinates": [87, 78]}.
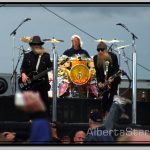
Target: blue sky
{"type": "Point", "coordinates": [99, 22]}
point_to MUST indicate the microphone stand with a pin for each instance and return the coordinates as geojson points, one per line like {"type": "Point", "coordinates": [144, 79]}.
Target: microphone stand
{"type": "Point", "coordinates": [13, 78]}
{"type": "Point", "coordinates": [15, 72]}
{"type": "Point", "coordinates": [126, 61]}
{"type": "Point", "coordinates": [134, 75]}
{"type": "Point", "coordinates": [55, 74]}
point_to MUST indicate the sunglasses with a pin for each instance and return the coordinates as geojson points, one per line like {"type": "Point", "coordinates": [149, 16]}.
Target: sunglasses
{"type": "Point", "coordinates": [33, 44]}
{"type": "Point", "coordinates": [100, 49]}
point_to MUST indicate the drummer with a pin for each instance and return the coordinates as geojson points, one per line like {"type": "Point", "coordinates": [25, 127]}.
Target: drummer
{"type": "Point", "coordinates": [76, 48]}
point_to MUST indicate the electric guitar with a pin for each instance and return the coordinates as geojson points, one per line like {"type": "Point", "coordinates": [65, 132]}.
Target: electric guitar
{"type": "Point", "coordinates": [33, 76]}
{"type": "Point", "coordinates": [106, 87]}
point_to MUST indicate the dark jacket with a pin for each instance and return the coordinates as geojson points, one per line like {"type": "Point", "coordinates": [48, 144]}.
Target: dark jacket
{"type": "Point", "coordinates": [112, 69]}
{"type": "Point", "coordinates": [29, 65]}
{"type": "Point", "coordinates": [71, 52]}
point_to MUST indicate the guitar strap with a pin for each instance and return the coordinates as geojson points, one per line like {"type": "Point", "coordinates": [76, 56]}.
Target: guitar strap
{"type": "Point", "coordinates": [38, 62]}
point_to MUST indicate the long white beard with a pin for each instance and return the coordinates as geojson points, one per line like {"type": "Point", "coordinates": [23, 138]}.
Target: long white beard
{"type": "Point", "coordinates": [39, 50]}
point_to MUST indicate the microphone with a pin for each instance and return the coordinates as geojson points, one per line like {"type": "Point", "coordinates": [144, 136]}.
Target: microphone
{"type": "Point", "coordinates": [106, 67]}
{"type": "Point", "coordinates": [26, 19]}
{"type": "Point", "coordinates": [119, 24]}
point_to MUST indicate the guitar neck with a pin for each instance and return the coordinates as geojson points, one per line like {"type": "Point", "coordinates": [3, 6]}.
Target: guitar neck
{"type": "Point", "coordinates": [40, 75]}
{"type": "Point", "coordinates": [113, 77]}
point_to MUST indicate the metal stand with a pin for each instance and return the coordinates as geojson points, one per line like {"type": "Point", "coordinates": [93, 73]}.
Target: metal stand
{"type": "Point", "coordinates": [126, 61]}
{"type": "Point", "coordinates": [134, 74]}
{"type": "Point", "coordinates": [134, 78]}
{"type": "Point", "coordinates": [55, 73]}
{"type": "Point", "coordinates": [14, 74]}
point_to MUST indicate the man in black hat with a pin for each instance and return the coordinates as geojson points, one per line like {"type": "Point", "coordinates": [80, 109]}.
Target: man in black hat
{"type": "Point", "coordinates": [106, 65]}
{"type": "Point", "coordinates": [37, 61]}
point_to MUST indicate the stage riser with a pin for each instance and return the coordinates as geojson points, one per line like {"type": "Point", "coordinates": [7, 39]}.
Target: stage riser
{"type": "Point", "coordinates": [71, 110]}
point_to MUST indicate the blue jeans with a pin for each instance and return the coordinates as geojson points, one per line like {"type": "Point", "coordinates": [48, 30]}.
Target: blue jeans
{"type": "Point", "coordinates": [114, 114]}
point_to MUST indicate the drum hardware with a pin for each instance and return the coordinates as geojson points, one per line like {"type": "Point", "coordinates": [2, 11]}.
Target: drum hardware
{"type": "Point", "coordinates": [53, 40]}
{"type": "Point", "coordinates": [102, 40]}
{"type": "Point", "coordinates": [122, 47]}
{"type": "Point", "coordinates": [115, 41]}
{"type": "Point", "coordinates": [111, 41]}
{"type": "Point", "coordinates": [26, 39]}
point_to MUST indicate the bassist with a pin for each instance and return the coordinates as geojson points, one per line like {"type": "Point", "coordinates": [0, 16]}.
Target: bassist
{"type": "Point", "coordinates": [37, 60]}
{"type": "Point", "coordinates": [106, 65]}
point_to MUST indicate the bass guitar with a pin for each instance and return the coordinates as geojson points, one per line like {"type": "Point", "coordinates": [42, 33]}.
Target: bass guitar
{"type": "Point", "coordinates": [33, 76]}
{"type": "Point", "coordinates": [106, 87]}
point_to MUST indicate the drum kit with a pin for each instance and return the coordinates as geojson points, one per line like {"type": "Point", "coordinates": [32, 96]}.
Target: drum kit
{"type": "Point", "coordinates": [76, 77]}
{"type": "Point", "coordinates": [76, 74]}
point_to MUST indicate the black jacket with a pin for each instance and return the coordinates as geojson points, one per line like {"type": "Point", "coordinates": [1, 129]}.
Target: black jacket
{"type": "Point", "coordinates": [30, 61]}
{"type": "Point", "coordinates": [71, 52]}
{"type": "Point", "coordinates": [112, 69]}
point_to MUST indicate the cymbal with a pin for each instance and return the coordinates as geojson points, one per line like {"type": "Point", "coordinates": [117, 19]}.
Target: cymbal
{"type": "Point", "coordinates": [53, 40]}
{"type": "Point", "coordinates": [26, 39]}
{"type": "Point", "coordinates": [122, 47]}
{"type": "Point", "coordinates": [101, 40]}
{"type": "Point", "coordinates": [115, 41]}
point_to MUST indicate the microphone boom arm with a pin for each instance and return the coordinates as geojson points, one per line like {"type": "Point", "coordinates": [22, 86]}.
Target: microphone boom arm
{"type": "Point", "coordinates": [14, 31]}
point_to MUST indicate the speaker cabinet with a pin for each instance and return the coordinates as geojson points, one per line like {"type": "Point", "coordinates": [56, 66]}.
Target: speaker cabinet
{"type": "Point", "coordinates": [7, 78]}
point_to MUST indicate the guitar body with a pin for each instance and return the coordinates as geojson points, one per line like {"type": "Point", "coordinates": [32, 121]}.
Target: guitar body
{"type": "Point", "coordinates": [34, 79]}
{"type": "Point", "coordinates": [27, 85]}
{"type": "Point", "coordinates": [106, 86]}
{"type": "Point", "coordinates": [102, 91]}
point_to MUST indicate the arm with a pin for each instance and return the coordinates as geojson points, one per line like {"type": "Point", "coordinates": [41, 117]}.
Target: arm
{"type": "Point", "coordinates": [40, 129]}
{"type": "Point", "coordinates": [87, 54]}
{"type": "Point", "coordinates": [23, 69]}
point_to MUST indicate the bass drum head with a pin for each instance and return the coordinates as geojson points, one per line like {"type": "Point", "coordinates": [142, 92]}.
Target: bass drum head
{"type": "Point", "coordinates": [79, 74]}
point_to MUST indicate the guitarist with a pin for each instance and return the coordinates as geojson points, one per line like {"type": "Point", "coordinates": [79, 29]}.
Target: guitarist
{"type": "Point", "coordinates": [106, 65]}
{"type": "Point", "coordinates": [37, 60]}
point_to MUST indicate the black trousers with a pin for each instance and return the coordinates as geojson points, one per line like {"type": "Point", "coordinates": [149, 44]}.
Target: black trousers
{"type": "Point", "coordinates": [107, 99]}
{"type": "Point", "coordinates": [42, 88]}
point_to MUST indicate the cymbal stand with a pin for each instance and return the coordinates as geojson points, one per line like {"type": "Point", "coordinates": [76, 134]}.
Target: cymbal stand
{"type": "Point", "coordinates": [55, 74]}
{"type": "Point", "coordinates": [134, 75]}
{"type": "Point", "coordinates": [126, 61]}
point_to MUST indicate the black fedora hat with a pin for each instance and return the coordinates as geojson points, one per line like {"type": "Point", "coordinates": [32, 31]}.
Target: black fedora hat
{"type": "Point", "coordinates": [36, 40]}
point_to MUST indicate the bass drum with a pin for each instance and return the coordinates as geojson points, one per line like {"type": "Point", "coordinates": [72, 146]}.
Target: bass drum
{"type": "Point", "coordinates": [62, 83]}
{"type": "Point", "coordinates": [79, 74]}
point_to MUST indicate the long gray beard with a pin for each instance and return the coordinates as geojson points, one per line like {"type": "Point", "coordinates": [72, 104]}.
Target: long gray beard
{"type": "Point", "coordinates": [39, 51]}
